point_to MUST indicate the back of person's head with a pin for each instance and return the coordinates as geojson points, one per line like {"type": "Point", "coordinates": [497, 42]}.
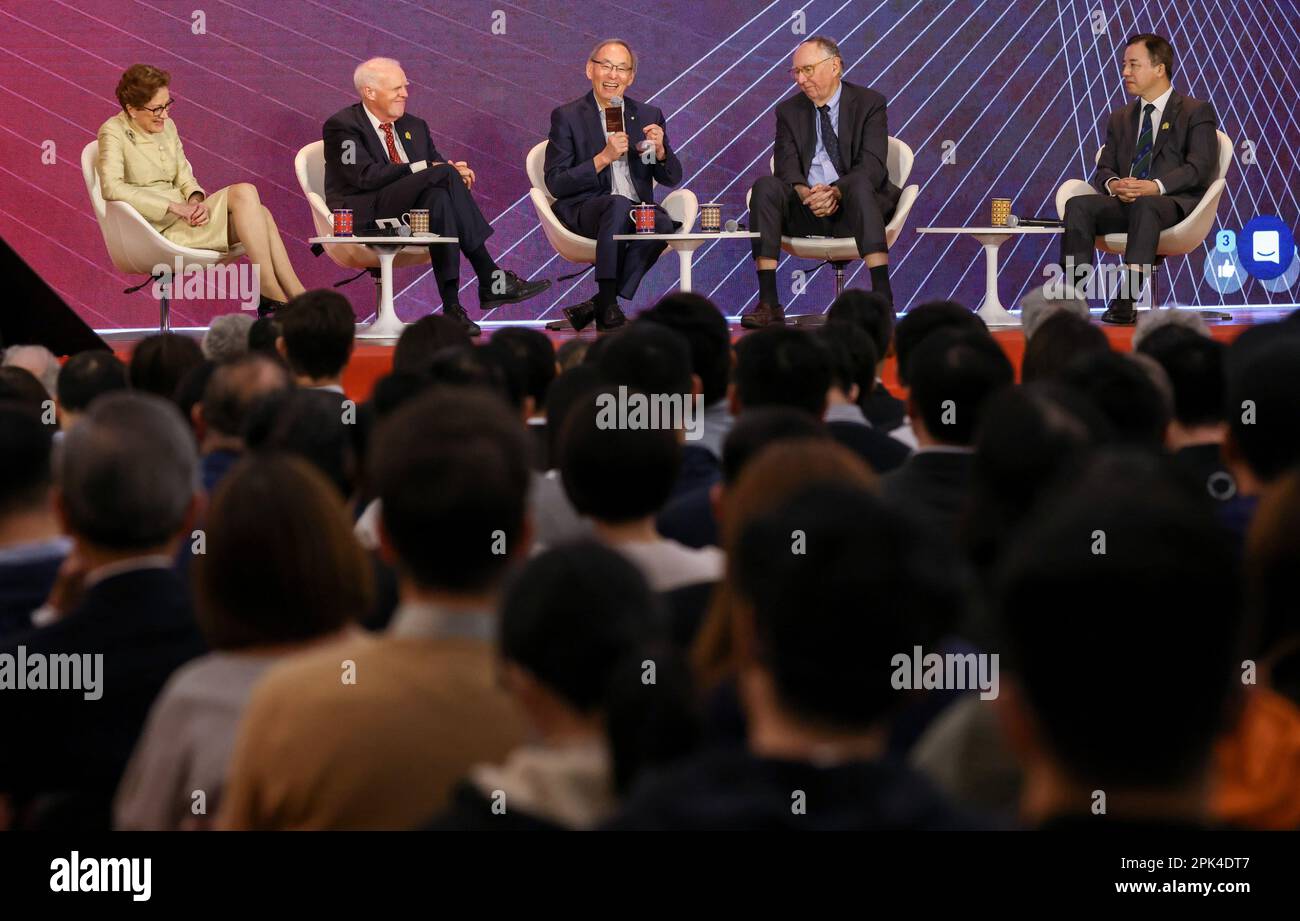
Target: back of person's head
{"type": "Point", "coordinates": [1046, 301]}
{"type": "Point", "coordinates": [826, 623]}
{"type": "Point", "coordinates": [128, 472]}
{"type": "Point", "coordinates": [20, 384]}
{"type": "Point", "coordinates": [512, 367]}
{"type": "Point", "coordinates": [1125, 393]}
{"type": "Point", "coordinates": [311, 424]}
{"type": "Point", "coordinates": [423, 339]}
{"type": "Point", "coordinates": [281, 564]}
{"type": "Point", "coordinates": [25, 475]}
{"type": "Point", "coordinates": [853, 357]}
{"type": "Point", "coordinates": [159, 362]}
{"type": "Point", "coordinates": [534, 352]}
{"type": "Point", "coordinates": [235, 388]}
{"type": "Point", "coordinates": [460, 366]}
{"type": "Point", "coordinates": [1194, 365]}
{"type": "Point", "coordinates": [780, 366]}
{"type": "Point", "coordinates": [578, 383]}
{"type": "Point", "coordinates": [86, 375]}
{"type": "Point", "coordinates": [1263, 406]}
{"type": "Point", "coordinates": [317, 328]}
{"type": "Point", "coordinates": [570, 354]}
{"type": "Point", "coordinates": [1123, 552]}
{"type": "Point", "coordinates": [919, 322]}
{"type": "Point", "coordinates": [1059, 340]}
{"type": "Point", "coordinates": [263, 334]}
{"type": "Point", "coordinates": [227, 336]}
{"type": "Point", "coordinates": [37, 359]}
{"type": "Point", "coordinates": [189, 392]}
{"type": "Point", "coordinates": [1273, 568]}
{"type": "Point", "coordinates": [953, 375]}
{"type": "Point", "coordinates": [392, 390]}
{"type": "Point", "coordinates": [572, 615]}
{"type": "Point", "coordinates": [451, 469]}
{"type": "Point", "coordinates": [755, 429]}
{"type": "Point", "coordinates": [868, 311]}
{"type": "Point", "coordinates": [1149, 322]}
{"type": "Point", "coordinates": [615, 473]}
{"type": "Point", "coordinates": [700, 321]}
{"type": "Point", "coordinates": [649, 357]}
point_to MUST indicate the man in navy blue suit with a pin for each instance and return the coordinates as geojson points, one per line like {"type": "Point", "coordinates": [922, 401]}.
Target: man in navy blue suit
{"type": "Point", "coordinates": [597, 175]}
{"type": "Point", "coordinates": [381, 162]}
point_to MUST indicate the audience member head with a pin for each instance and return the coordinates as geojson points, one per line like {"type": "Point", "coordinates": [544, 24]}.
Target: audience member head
{"type": "Point", "coordinates": [1126, 394]}
{"type": "Point", "coordinates": [1263, 406]}
{"type": "Point", "coordinates": [189, 392]}
{"type": "Point", "coordinates": [85, 376]}
{"type": "Point", "coordinates": [127, 477]}
{"type": "Point", "coordinates": [232, 392]}
{"type": "Point", "coordinates": [924, 319]}
{"type": "Point", "coordinates": [451, 469]}
{"type": "Point", "coordinates": [281, 564]}
{"type": "Point", "coordinates": [1047, 301]}
{"type": "Point", "coordinates": [1151, 321]}
{"type": "Point", "coordinates": [780, 366]}
{"type": "Point", "coordinates": [570, 354]}
{"type": "Point", "coordinates": [472, 366]}
{"type": "Point", "coordinates": [1194, 366]}
{"type": "Point", "coordinates": [227, 336]}
{"type": "Point", "coordinates": [25, 475]}
{"type": "Point", "coordinates": [569, 389]}
{"type": "Point", "coordinates": [535, 354]}
{"type": "Point", "coordinates": [20, 384]}
{"type": "Point", "coordinates": [1273, 577]}
{"type": "Point", "coordinates": [701, 323]}
{"type": "Point", "coordinates": [37, 359]}
{"type": "Point", "coordinates": [648, 357]}
{"type": "Point", "coordinates": [316, 334]}
{"type": "Point", "coordinates": [311, 424]}
{"type": "Point", "coordinates": [423, 339]}
{"type": "Point", "coordinates": [953, 375]}
{"type": "Point", "coordinates": [392, 390]}
{"type": "Point", "coordinates": [1059, 339]}
{"type": "Point", "coordinates": [868, 311]}
{"type": "Point", "coordinates": [853, 361]}
{"type": "Point", "coordinates": [262, 336]}
{"type": "Point", "coordinates": [159, 362]}
{"type": "Point", "coordinates": [758, 428]}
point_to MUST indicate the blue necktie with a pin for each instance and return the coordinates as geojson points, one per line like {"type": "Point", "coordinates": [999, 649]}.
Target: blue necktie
{"type": "Point", "coordinates": [1142, 161]}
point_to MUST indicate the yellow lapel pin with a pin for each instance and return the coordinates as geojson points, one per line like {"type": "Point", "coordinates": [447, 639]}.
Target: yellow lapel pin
{"type": "Point", "coordinates": [407, 135]}
{"type": "Point", "coordinates": [1165, 126]}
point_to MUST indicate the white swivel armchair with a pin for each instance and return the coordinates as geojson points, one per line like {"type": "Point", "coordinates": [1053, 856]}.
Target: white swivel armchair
{"type": "Point", "coordinates": [309, 165]}
{"type": "Point", "coordinates": [135, 247]}
{"type": "Point", "coordinates": [840, 251]}
{"type": "Point", "coordinates": [1179, 240]}
{"type": "Point", "coordinates": [681, 204]}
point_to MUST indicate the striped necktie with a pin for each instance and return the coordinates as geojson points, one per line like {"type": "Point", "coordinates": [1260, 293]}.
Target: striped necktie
{"type": "Point", "coordinates": [1142, 161]}
{"type": "Point", "coordinates": [830, 140]}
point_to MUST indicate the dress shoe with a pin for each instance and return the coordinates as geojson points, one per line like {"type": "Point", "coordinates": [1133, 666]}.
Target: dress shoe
{"type": "Point", "coordinates": [516, 290]}
{"type": "Point", "coordinates": [457, 313]}
{"type": "Point", "coordinates": [580, 315]}
{"type": "Point", "coordinates": [764, 314]}
{"type": "Point", "coordinates": [609, 317]}
{"type": "Point", "coordinates": [267, 307]}
{"type": "Point", "coordinates": [1121, 312]}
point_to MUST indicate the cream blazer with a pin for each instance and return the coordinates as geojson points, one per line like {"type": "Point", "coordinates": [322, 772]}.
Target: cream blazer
{"type": "Point", "coordinates": [147, 171]}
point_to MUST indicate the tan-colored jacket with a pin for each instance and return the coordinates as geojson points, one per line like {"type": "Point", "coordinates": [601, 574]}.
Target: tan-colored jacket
{"type": "Point", "coordinates": [147, 171]}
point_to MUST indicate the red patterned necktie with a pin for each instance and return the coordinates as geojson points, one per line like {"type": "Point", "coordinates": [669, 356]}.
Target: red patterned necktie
{"type": "Point", "coordinates": [388, 139]}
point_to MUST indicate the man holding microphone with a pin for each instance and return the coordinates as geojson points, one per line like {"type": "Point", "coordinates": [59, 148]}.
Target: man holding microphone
{"type": "Point", "coordinates": [604, 155]}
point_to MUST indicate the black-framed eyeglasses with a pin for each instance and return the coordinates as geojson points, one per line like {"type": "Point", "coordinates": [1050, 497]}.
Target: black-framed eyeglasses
{"type": "Point", "coordinates": [158, 110]}
{"type": "Point", "coordinates": [807, 69]}
{"type": "Point", "coordinates": [611, 67]}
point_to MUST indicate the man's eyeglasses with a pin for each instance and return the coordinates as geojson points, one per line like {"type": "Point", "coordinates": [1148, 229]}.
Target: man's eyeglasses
{"type": "Point", "coordinates": [158, 110]}
{"type": "Point", "coordinates": [610, 67]}
{"type": "Point", "coordinates": [807, 69]}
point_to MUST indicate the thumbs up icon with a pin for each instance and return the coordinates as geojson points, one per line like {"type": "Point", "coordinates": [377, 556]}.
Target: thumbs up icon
{"type": "Point", "coordinates": [1227, 270]}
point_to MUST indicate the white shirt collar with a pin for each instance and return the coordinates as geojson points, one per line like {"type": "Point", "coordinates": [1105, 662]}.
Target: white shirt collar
{"type": "Point", "coordinates": [375, 121]}
{"type": "Point", "coordinates": [1159, 102]}
{"type": "Point", "coordinates": [159, 561]}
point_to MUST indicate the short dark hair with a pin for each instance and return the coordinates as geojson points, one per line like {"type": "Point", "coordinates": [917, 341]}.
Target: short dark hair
{"type": "Point", "coordinates": [1059, 340]}
{"type": "Point", "coordinates": [1125, 394]}
{"type": "Point", "coordinates": [700, 321]}
{"type": "Point", "coordinates": [953, 376]}
{"type": "Point", "coordinates": [571, 353]}
{"type": "Point", "coordinates": [263, 333]}
{"type": "Point", "coordinates": [451, 469]}
{"type": "Point", "coordinates": [868, 311]}
{"type": "Point", "coordinates": [829, 654]}
{"type": "Point", "coordinates": [1158, 50]}
{"type": "Point", "coordinates": [648, 357]}
{"type": "Point", "coordinates": [1195, 365]}
{"type": "Point", "coordinates": [235, 387]}
{"type": "Point", "coordinates": [308, 424]}
{"type": "Point", "coordinates": [424, 338]}
{"type": "Point", "coordinates": [473, 366]}
{"type": "Point", "coordinates": [396, 388]}
{"type": "Point", "coordinates": [572, 615]}
{"type": "Point", "coordinates": [25, 475]}
{"type": "Point", "coordinates": [853, 357]}
{"type": "Point", "coordinates": [778, 366]}
{"type": "Point", "coordinates": [20, 384]}
{"type": "Point", "coordinates": [755, 429]}
{"type": "Point", "coordinates": [535, 354]}
{"type": "Point", "coordinates": [1263, 406]}
{"type": "Point", "coordinates": [281, 564]}
{"type": "Point", "coordinates": [189, 392]}
{"type": "Point", "coordinates": [86, 375]}
{"type": "Point", "coordinates": [1167, 583]}
{"type": "Point", "coordinates": [924, 319]}
{"type": "Point", "coordinates": [567, 391]}
{"type": "Point", "coordinates": [318, 328]}
{"type": "Point", "coordinates": [159, 362]}
{"type": "Point", "coordinates": [615, 473]}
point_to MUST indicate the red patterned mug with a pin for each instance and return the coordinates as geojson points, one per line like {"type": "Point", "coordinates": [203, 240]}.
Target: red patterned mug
{"type": "Point", "coordinates": [643, 218]}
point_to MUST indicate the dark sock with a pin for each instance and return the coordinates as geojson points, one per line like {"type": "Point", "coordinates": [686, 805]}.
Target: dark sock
{"type": "Point", "coordinates": [449, 291]}
{"type": "Point", "coordinates": [880, 282]}
{"type": "Point", "coordinates": [607, 293]}
{"type": "Point", "coordinates": [1135, 285]}
{"type": "Point", "coordinates": [767, 286]}
{"type": "Point", "coordinates": [483, 265]}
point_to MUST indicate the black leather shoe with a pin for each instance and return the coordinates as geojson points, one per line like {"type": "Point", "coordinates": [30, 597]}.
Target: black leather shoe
{"type": "Point", "coordinates": [580, 315]}
{"type": "Point", "coordinates": [457, 313]}
{"type": "Point", "coordinates": [1121, 312]}
{"type": "Point", "coordinates": [267, 307]}
{"type": "Point", "coordinates": [764, 314]}
{"type": "Point", "coordinates": [609, 317]}
{"type": "Point", "coordinates": [516, 290]}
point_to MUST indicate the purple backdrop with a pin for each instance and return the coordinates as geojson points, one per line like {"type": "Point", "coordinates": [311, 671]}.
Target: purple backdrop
{"type": "Point", "coordinates": [1020, 89]}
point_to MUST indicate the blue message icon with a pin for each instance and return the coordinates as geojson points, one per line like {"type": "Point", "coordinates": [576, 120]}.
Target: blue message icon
{"type": "Point", "coordinates": [1261, 245]}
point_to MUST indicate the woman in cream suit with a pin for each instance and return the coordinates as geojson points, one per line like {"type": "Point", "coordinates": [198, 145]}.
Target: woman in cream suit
{"type": "Point", "coordinates": [142, 162]}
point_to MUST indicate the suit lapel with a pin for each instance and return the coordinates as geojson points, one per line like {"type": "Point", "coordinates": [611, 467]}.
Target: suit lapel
{"type": "Point", "coordinates": [1166, 118]}
{"type": "Point", "coordinates": [414, 144]}
{"type": "Point", "coordinates": [595, 121]}
{"type": "Point", "coordinates": [810, 136]}
{"type": "Point", "coordinates": [369, 139]}
{"type": "Point", "coordinates": [848, 118]}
